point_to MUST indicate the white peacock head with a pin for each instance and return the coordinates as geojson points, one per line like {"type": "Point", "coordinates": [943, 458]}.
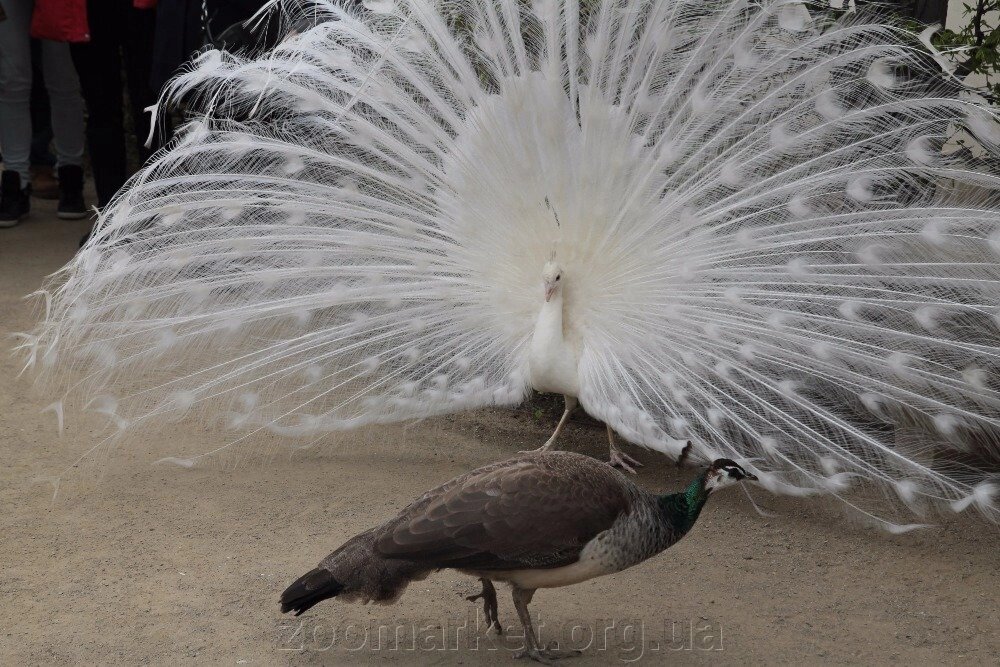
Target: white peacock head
{"type": "Point", "coordinates": [552, 279]}
{"type": "Point", "coordinates": [723, 473]}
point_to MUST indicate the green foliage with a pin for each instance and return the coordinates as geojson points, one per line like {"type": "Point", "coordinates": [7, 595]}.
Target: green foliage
{"type": "Point", "coordinates": [978, 45]}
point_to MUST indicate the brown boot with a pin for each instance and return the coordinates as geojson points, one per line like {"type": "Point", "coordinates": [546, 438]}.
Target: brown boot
{"type": "Point", "coordinates": [43, 182]}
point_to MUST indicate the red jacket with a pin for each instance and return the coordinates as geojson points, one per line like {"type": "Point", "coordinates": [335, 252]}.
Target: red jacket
{"type": "Point", "coordinates": [66, 20]}
{"type": "Point", "coordinates": [60, 20]}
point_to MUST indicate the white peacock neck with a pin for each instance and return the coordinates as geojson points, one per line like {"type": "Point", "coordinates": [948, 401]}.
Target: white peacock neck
{"type": "Point", "coordinates": [550, 318]}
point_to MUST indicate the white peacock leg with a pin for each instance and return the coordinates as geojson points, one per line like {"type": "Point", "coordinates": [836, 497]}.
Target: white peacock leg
{"type": "Point", "coordinates": [571, 404]}
{"type": "Point", "coordinates": [618, 458]}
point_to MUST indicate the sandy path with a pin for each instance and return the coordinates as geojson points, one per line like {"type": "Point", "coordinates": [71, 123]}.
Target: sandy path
{"type": "Point", "coordinates": [136, 563]}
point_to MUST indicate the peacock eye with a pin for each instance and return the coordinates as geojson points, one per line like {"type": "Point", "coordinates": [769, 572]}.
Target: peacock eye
{"type": "Point", "coordinates": [557, 278]}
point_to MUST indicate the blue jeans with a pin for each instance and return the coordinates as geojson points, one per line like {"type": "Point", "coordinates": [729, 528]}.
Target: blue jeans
{"type": "Point", "coordinates": [15, 93]}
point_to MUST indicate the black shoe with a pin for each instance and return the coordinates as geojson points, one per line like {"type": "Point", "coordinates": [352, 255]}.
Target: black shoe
{"type": "Point", "coordinates": [15, 201]}
{"type": "Point", "coordinates": [71, 206]}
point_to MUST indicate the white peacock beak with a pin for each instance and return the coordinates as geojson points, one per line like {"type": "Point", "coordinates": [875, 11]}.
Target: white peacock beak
{"type": "Point", "coordinates": [550, 289]}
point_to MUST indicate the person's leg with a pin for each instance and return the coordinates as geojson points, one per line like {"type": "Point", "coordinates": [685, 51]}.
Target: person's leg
{"type": "Point", "coordinates": [138, 68]}
{"type": "Point", "coordinates": [98, 64]}
{"type": "Point", "coordinates": [43, 177]}
{"type": "Point", "coordinates": [15, 111]}
{"type": "Point", "coordinates": [41, 113]}
{"type": "Point", "coordinates": [15, 87]}
{"type": "Point", "coordinates": [67, 126]}
{"type": "Point", "coordinates": [66, 103]}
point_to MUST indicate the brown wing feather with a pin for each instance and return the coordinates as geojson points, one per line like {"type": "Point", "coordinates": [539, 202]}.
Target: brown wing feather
{"type": "Point", "coordinates": [537, 510]}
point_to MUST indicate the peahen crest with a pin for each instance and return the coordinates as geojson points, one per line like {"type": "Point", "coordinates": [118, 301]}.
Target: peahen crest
{"type": "Point", "coordinates": [775, 249]}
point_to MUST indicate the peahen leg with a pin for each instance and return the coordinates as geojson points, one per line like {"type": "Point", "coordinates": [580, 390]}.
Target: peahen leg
{"type": "Point", "coordinates": [489, 598]}
{"type": "Point", "coordinates": [545, 655]}
{"type": "Point", "coordinates": [571, 404]}
{"type": "Point", "coordinates": [619, 458]}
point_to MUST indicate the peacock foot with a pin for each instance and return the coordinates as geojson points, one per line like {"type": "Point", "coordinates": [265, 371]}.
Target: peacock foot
{"type": "Point", "coordinates": [547, 655]}
{"type": "Point", "coordinates": [620, 459]}
{"type": "Point", "coordinates": [489, 598]}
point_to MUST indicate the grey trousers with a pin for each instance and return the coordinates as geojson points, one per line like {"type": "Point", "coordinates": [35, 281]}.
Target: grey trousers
{"type": "Point", "coordinates": [15, 93]}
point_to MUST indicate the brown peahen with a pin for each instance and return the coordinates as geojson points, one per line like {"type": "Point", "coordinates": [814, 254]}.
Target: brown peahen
{"type": "Point", "coordinates": [539, 520]}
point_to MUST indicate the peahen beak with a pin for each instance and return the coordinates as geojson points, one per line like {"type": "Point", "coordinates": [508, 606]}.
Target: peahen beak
{"type": "Point", "coordinates": [549, 291]}
{"type": "Point", "coordinates": [752, 477]}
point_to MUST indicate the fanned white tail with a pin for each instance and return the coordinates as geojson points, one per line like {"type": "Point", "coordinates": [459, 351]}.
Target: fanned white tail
{"type": "Point", "coordinates": [769, 248]}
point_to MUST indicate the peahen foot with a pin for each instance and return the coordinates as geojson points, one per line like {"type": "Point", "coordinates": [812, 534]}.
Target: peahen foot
{"type": "Point", "coordinates": [489, 598]}
{"type": "Point", "coordinates": [546, 655]}
{"type": "Point", "coordinates": [619, 459]}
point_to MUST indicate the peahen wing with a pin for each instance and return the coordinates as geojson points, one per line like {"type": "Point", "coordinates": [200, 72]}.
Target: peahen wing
{"type": "Point", "coordinates": [527, 512]}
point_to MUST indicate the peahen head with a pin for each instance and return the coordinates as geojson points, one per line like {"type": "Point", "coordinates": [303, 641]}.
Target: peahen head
{"type": "Point", "coordinates": [725, 472]}
{"type": "Point", "coordinates": [683, 508]}
{"type": "Point", "coordinates": [552, 278]}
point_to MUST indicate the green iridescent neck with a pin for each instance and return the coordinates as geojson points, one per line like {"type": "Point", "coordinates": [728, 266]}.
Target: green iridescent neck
{"type": "Point", "coordinates": [683, 508]}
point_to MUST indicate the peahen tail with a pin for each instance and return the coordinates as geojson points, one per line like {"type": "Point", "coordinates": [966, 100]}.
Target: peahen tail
{"type": "Point", "coordinates": [310, 589]}
{"type": "Point", "coordinates": [354, 572]}
{"type": "Point", "coordinates": [776, 241]}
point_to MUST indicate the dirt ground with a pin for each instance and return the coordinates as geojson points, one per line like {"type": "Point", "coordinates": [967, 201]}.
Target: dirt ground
{"type": "Point", "coordinates": [140, 563]}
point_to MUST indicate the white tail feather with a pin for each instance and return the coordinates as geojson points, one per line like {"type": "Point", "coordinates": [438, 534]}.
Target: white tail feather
{"type": "Point", "coordinates": [769, 252]}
